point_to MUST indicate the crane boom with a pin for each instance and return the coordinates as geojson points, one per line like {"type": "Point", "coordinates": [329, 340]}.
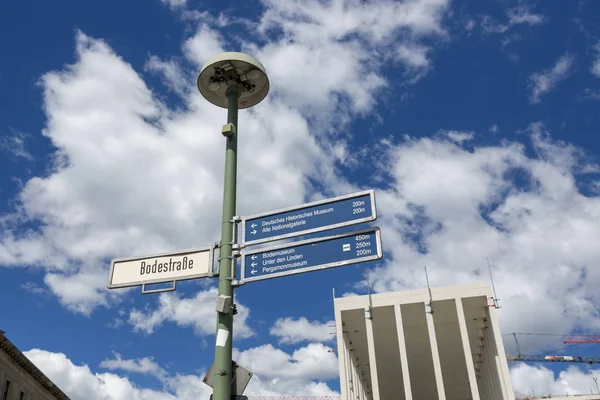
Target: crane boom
{"type": "Point", "coordinates": [540, 358]}
{"type": "Point", "coordinates": [581, 339]}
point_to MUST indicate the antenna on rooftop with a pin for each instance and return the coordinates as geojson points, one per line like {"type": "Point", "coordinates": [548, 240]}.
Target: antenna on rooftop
{"type": "Point", "coordinates": [334, 325]}
{"type": "Point", "coordinates": [429, 288]}
{"type": "Point", "coordinates": [370, 310]}
{"type": "Point", "coordinates": [496, 299]}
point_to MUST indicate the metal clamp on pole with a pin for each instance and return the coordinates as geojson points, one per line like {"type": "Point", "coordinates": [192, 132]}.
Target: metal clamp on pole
{"type": "Point", "coordinates": [233, 265]}
{"type": "Point", "coordinates": [215, 270]}
{"type": "Point", "coordinates": [236, 229]}
{"type": "Point", "coordinates": [233, 223]}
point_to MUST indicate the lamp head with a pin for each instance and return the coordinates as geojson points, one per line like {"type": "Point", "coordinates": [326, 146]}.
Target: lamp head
{"type": "Point", "coordinates": [233, 70]}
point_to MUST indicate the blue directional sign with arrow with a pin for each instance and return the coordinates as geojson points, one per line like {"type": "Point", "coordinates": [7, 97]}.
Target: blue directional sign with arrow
{"type": "Point", "coordinates": [309, 218]}
{"type": "Point", "coordinates": [311, 255]}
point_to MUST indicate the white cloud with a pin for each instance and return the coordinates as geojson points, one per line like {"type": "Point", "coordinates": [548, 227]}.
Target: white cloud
{"type": "Point", "coordinates": [311, 362]}
{"type": "Point", "coordinates": [315, 21]}
{"type": "Point", "coordinates": [596, 64]}
{"type": "Point", "coordinates": [80, 383]}
{"type": "Point", "coordinates": [470, 25]}
{"type": "Point", "coordinates": [591, 94]}
{"type": "Point", "coordinates": [490, 26]}
{"type": "Point", "coordinates": [494, 129]}
{"type": "Point", "coordinates": [291, 330]}
{"type": "Point", "coordinates": [197, 312]}
{"type": "Point", "coordinates": [145, 365]}
{"type": "Point", "coordinates": [542, 82]}
{"type": "Point", "coordinates": [33, 288]}
{"type": "Point", "coordinates": [450, 208]}
{"type": "Point", "coordinates": [82, 290]}
{"type": "Point", "coordinates": [312, 79]}
{"type": "Point", "coordinates": [14, 144]}
{"type": "Point", "coordinates": [174, 3]}
{"type": "Point", "coordinates": [302, 373]}
{"type": "Point", "coordinates": [205, 43]}
{"type": "Point", "coordinates": [516, 16]}
{"type": "Point", "coordinates": [170, 72]}
{"type": "Point", "coordinates": [219, 21]}
{"type": "Point", "coordinates": [508, 39]}
{"type": "Point", "coordinates": [116, 323]}
{"type": "Point", "coordinates": [539, 380]}
{"type": "Point", "coordinates": [523, 15]}
{"type": "Point", "coordinates": [562, 155]}
{"type": "Point", "coordinates": [414, 57]}
{"type": "Point", "coordinates": [304, 63]}
{"type": "Point", "coordinates": [459, 137]}
{"type": "Point", "coordinates": [276, 373]}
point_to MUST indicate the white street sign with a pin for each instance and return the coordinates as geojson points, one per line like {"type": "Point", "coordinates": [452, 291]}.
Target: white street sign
{"type": "Point", "coordinates": [161, 268]}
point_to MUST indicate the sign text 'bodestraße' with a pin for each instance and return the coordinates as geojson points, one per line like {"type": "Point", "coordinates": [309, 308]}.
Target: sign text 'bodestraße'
{"type": "Point", "coordinates": [166, 267]}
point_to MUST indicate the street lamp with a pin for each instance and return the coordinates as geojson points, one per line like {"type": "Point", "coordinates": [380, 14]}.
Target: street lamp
{"type": "Point", "coordinates": [233, 81]}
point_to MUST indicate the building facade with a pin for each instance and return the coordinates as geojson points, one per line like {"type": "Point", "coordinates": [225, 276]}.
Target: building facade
{"type": "Point", "coordinates": [443, 344]}
{"type": "Point", "coordinates": [20, 379]}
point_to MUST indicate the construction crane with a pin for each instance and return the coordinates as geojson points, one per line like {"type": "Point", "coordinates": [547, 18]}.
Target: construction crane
{"type": "Point", "coordinates": [294, 398]}
{"type": "Point", "coordinates": [581, 339]}
{"type": "Point", "coordinates": [574, 340]}
{"type": "Point", "coordinates": [541, 358]}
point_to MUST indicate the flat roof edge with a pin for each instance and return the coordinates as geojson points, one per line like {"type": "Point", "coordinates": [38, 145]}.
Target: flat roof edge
{"type": "Point", "coordinates": [415, 295]}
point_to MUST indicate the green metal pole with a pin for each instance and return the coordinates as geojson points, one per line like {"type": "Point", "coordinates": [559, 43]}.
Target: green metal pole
{"type": "Point", "coordinates": [223, 348]}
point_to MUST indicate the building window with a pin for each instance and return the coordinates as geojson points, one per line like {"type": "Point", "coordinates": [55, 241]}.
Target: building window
{"type": "Point", "coordinates": [6, 392]}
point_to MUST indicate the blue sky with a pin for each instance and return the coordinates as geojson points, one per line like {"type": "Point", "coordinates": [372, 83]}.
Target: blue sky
{"type": "Point", "coordinates": [475, 122]}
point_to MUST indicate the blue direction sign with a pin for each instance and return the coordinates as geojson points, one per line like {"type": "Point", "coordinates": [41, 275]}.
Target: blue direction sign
{"type": "Point", "coordinates": [309, 218]}
{"type": "Point", "coordinates": [312, 254]}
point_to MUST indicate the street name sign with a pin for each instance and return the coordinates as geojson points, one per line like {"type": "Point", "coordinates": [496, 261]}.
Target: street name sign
{"type": "Point", "coordinates": [161, 268]}
{"type": "Point", "coordinates": [307, 218]}
{"type": "Point", "coordinates": [312, 254]}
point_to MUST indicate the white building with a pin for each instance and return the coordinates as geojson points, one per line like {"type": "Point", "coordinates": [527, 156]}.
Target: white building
{"type": "Point", "coordinates": [402, 346]}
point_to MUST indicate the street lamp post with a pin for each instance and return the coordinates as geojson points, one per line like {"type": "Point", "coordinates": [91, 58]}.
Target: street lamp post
{"type": "Point", "coordinates": [233, 81]}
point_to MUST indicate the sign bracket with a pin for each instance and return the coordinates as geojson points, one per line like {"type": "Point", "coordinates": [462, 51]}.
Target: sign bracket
{"type": "Point", "coordinates": [214, 271]}
{"type": "Point", "coordinates": [152, 291]}
{"type": "Point", "coordinates": [236, 283]}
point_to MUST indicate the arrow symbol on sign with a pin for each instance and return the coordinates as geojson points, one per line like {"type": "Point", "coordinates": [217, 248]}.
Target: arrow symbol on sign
{"type": "Point", "coordinates": [253, 232]}
{"type": "Point", "coordinates": [254, 257]}
{"type": "Point", "coordinates": [253, 225]}
{"type": "Point", "coordinates": [254, 264]}
{"type": "Point", "coordinates": [253, 271]}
